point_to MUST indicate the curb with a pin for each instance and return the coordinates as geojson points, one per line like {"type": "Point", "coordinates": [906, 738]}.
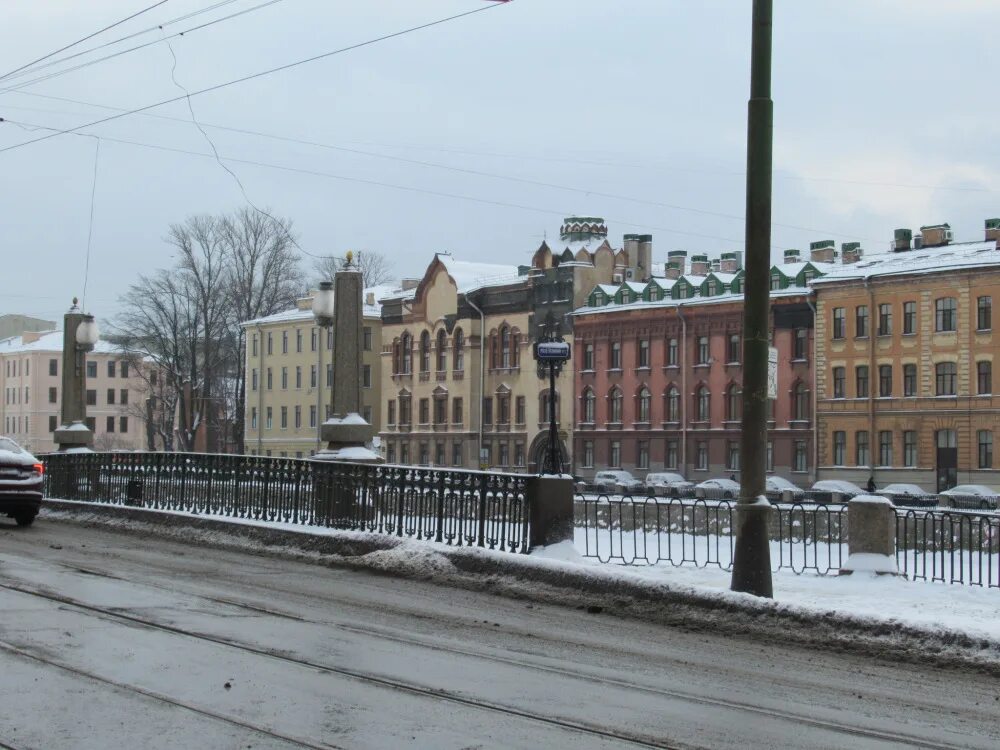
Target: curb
{"type": "Point", "coordinates": [590, 588]}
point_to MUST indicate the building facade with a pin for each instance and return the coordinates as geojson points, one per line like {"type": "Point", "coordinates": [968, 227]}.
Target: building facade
{"type": "Point", "coordinates": [659, 370]}
{"type": "Point", "coordinates": [289, 380]}
{"type": "Point", "coordinates": [31, 378]}
{"type": "Point", "coordinates": [907, 347]}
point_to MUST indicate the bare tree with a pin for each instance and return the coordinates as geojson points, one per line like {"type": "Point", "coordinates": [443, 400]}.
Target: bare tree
{"type": "Point", "coordinates": [375, 267]}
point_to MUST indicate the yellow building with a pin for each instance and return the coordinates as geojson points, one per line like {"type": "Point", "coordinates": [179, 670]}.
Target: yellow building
{"type": "Point", "coordinates": [290, 377]}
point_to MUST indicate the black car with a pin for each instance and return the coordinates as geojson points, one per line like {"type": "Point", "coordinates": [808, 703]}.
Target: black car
{"type": "Point", "coordinates": [20, 482]}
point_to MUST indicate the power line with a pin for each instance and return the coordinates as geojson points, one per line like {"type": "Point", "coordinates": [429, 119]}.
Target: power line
{"type": "Point", "coordinates": [88, 63]}
{"type": "Point", "coordinates": [260, 74]}
{"type": "Point", "coordinates": [89, 36]}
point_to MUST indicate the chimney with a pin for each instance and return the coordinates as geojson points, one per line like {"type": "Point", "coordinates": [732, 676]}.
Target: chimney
{"type": "Point", "coordinates": [631, 247]}
{"type": "Point", "coordinates": [679, 257]}
{"type": "Point", "coordinates": [823, 251]}
{"type": "Point", "coordinates": [918, 241]}
{"type": "Point", "coordinates": [672, 270]}
{"type": "Point", "coordinates": [992, 229]}
{"type": "Point", "coordinates": [792, 256]}
{"type": "Point", "coordinates": [645, 261]}
{"type": "Point", "coordinates": [936, 235]}
{"type": "Point", "coordinates": [850, 252]}
{"type": "Point", "coordinates": [729, 263]}
{"type": "Point", "coordinates": [30, 337]}
{"type": "Point", "coordinates": [699, 265]}
{"type": "Point", "coordinates": [716, 264]}
{"type": "Point", "coordinates": [901, 241]}
{"type": "Point", "coordinates": [370, 299]}
{"type": "Point", "coordinates": [408, 284]}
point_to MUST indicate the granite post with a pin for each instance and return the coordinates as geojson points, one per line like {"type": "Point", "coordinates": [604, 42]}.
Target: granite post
{"type": "Point", "coordinates": [73, 432]}
{"type": "Point", "coordinates": [871, 536]}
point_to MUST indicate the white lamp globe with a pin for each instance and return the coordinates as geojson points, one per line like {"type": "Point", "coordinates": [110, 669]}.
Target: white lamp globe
{"type": "Point", "coordinates": [87, 332]}
{"type": "Point", "coordinates": [322, 305]}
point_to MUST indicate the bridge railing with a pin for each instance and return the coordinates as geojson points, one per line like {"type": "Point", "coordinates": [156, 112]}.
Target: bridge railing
{"type": "Point", "coordinates": [470, 508]}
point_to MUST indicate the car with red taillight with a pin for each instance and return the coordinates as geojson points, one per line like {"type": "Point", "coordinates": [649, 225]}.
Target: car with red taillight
{"type": "Point", "coordinates": [20, 482]}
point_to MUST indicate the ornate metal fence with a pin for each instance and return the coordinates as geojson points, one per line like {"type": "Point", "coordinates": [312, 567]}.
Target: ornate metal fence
{"type": "Point", "coordinates": [455, 507]}
{"type": "Point", "coordinates": [951, 546]}
{"type": "Point", "coordinates": [646, 531]}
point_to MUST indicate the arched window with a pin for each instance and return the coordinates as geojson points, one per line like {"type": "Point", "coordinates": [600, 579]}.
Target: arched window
{"type": "Point", "coordinates": [800, 402]}
{"type": "Point", "coordinates": [505, 347]}
{"type": "Point", "coordinates": [734, 403]}
{"type": "Point", "coordinates": [615, 405]}
{"type": "Point", "coordinates": [702, 400]}
{"type": "Point", "coordinates": [425, 351]}
{"type": "Point", "coordinates": [458, 357]}
{"type": "Point", "coordinates": [588, 406]}
{"type": "Point", "coordinates": [672, 405]}
{"type": "Point", "coordinates": [644, 400]}
{"type": "Point", "coordinates": [406, 353]}
{"type": "Point", "coordinates": [442, 347]}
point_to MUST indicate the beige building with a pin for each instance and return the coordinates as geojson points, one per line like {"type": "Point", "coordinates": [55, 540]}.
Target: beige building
{"type": "Point", "coordinates": [15, 325]}
{"type": "Point", "coordinates": [31, 377]}
{"type": "Point", "coordinates": [290, 378]}
{"type": "Point", "coordinates": [905, 355]}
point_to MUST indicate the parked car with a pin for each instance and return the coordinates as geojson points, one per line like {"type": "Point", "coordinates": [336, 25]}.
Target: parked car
{"type": "Point", "coordinates": [20, 482]}
{"type": "Point", "coordinates": [669, 484]}
{"type": "Point", "coordinates": [825, 490]}
{"type": "Point", "coordinates": [717, 489]}
{"type": "Point", "coordinates": [908, 495]}
{"type": "Point", "coordinates": [616, 480]}
{"type": "Point", "coordinates": [977, 496]}
{"type": "Point", "coordinates": [776, 488]}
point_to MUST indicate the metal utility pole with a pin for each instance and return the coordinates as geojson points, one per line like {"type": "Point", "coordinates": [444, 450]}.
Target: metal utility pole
{"type": "Point", "coordinates": [752, 558]}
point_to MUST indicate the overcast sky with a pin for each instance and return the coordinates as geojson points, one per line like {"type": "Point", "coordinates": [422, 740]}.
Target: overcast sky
{"type": "Point", "coordinates": [885, 116]}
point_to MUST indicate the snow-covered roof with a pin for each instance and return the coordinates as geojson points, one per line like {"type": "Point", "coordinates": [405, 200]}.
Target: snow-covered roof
{"type": "Point", "coordinates": [636, 286]}
{"type": "Point", "coordinates": [558, 247]}
{"type": "Point", "coordinates": [925, 260]}
{"type": "Point", "coordinates": [302, 312]}
{"type": "Point", "coordinates": [792, 291]}
{"type": "Point", "coordinates": [608, 289]}
{"type": "Point", "coordinates": [470, 276]}
{"type": "Point", "coordinates": [50, 341]}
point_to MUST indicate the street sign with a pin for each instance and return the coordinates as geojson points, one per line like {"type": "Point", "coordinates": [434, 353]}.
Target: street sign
{"type": "Point", "coordinates": [552, 351]}
{"type": "Point", "coordinates": [772, 372]}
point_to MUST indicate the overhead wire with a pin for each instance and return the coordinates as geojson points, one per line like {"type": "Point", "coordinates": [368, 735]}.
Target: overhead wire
{"type": "Point", "coordinates": [260, 74]}
{"type": "Point", "coordinates": [89, 36]}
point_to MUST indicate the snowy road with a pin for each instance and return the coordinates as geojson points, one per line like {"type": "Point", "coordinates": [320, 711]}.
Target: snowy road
{"type": "Point", "coordinates": [113, 640]}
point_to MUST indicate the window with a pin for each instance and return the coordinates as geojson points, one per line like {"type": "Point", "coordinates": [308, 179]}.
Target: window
{"type": "Point", "coordinates": [984, 377]}
{"type": "Point", "coordinates": [298, 340]}
{"type": "Point", "coordinates": [91, 397]}
{"type": "Point", "coordinates": [672, 349]}
{"type": "Point", "coordinates": [909, 318]}
{"type": "Point", "coordinates": [109, 424]}
{"type": "Point", "coordinates": [733, 455]}
{"type": "Point", "coordinates": [441, 351]}
{"type": "Point", "coordinates": [615, 405]}
{"type": "Point", "coordinates": [769, 455]}
{"type": "Point", "coordinates": [366, 338]}
{"type": "Point", "coordinates": [404, 453]}
{"type": "Point", "coordinates": [885, 320]}
{"type": "Point", "coordinates": [425, 352]}
{"type": "Point", "coordinates": [616, 454]}
{"type": "Point", "coordinates": [503, 408]}
{"type": "Point", "coordinates": [313, 339]}
{"type": "Point", "coordinates": [734, 403]}
{"type": "Point", "coordinates": [645, 398]}
{"type": "Point", "coordinates": [456, 453]}
{"type": "Point", "coordinates": [53, 367]}
{"type": "Point", "coordinates": [984, 313]}
{"type": "Point", "coordinates": [642, 353]}
{"type": "Point", "coordinates": [861, 381]}
{"type": "Point", "coordinates": [298, 417]}
{"type": "Point", "coordinates": [670, 456]}
{"type": "Point", "coordinates": [800, 402]}
{"type": "Point", "coordinates": [985, 440]}
{"type": "Point", "coordinates": [91, 369]}
{"type": "Point", "coordinates": [313, 376]}
{"type": "Point", "coordinates": [111, 368]}
{"type": "Point", "coordinates": [270, 343]}
{"type": "Point", "coordinates": [616, 356]}
{"type": "Point", "coordinates": [588, 357]}
{"type": "Point", "coordinates": [885, 380]}
{"type": "Point", "coordinates": [425, 411]}
{"type": "Point", "coordinates": [458, 353]}
{"type": "Point", "coordinates": [253, 379]}
{"type": "Point", "coordinates": [702, 400]}
{"type": "Point", "coordinates": [124, 369]}
{"type": "Point", "coordinates": [92, 424]}
{"type": "Point", "coordinates": [53, 395]}
{"type": "Point", "coordinates": [588, 453]}
{"type": "Point", "coordinates": [884, 448]}
{"type": "Point", "coordinates": [329, 376]}
{"type": "Point", "coordinates": [284, 378]}
{"type": "Point", "coordinates": [701, 455]}
{"type": "Point", "coordinates": [390, 417]}
{"type": "Point", "coordinates": [945, 318]}
{"type": "Point", "coordinates": [405, 412]}
{"type": "Point", "coordinates": [456, 411]}
{"type": "Point", "coordinates": [52, 423]}
{"type": "Point", "coordinates": [861, 321]}
{"type": "Point", "coordinates": [642, 454]}
{"type": "Point", "coordinates": [672, 409]}
{"type": "Point", "coordinates": [945, 378]}
{"type": "Point", "coordinates": [909, 448]}
{"type": "Point", "coordinates": [839, 447]}
{"type": "Point", "coordinates": [366, 376]}
{"type": "Point", "coordinates": [519, 408]}
{"type": "Point", "coordinates": [839, 326]}
{"type": "Point", "coordinates": [253, 417]}
{"type": "Point", "coordinates": [270, 379]}
{"type": "Point", "coordinates": [284, 417]}
{"type": "Point", "coordinates": [703, 350]}
{"type": "Point", "coordinates": [733, 353]}
{"type": "Point", "coordinates": [861, 448]}
{"type": "Point", "coordinates": [839, 386]}
{"type": "Point", "coordinates": [313, 413]}
{"type": "Point", "coordinates": [111, 396]}
{"type": "Point", "coordinates": [487, 411]}
{"type": "Point", "coordinates": [329, 339]}
{"type": "Point", "coordinates": [800, 346]}
{"type": "Point", "coordinates": [425, 457]}
{"type": "Point", "coordinates": [298, 376]}
{"type": "Point", "coordinates": [441, 410]}
{"type": "Point", "coordinates": [123, 396]}
{"type": "Point", "coordinates": [775, 281]}
{"type": "Point", "coordinates": [800, 456]}
{"type": "Point", "coordinates": [909, 380]}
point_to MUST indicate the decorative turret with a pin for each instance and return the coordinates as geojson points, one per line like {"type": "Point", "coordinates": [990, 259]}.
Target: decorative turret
{"type": "Point", "coordinates": [582, 228]}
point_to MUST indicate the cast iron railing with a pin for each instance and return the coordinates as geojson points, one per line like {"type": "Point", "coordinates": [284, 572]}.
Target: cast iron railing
{"type": "Point", "coordinates": [645, 531]}
{"type": "Point", "coordinates": [951, 546]}
{"type": "Point", "coordinates": [470, 508]}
